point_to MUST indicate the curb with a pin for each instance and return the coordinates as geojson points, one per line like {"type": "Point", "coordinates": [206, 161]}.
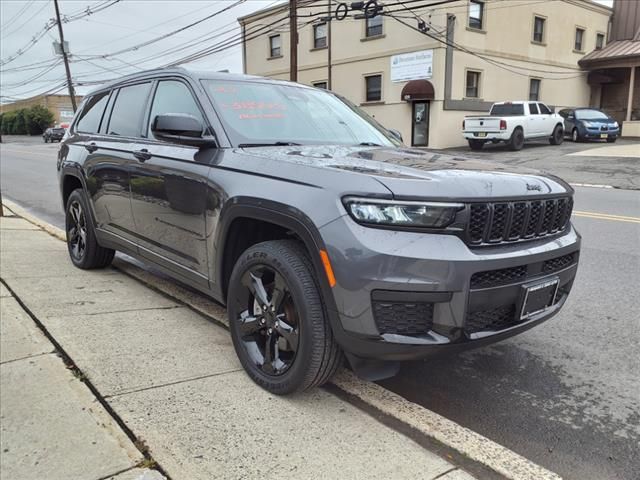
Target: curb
{"type": "Point", "coordinates": [466, 442]}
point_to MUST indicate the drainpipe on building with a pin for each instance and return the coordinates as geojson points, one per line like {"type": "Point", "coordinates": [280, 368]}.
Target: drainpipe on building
{"type": "Point", "coordinates": [632, 82]}
{"type": "Point", "coordinates": [448, 59]}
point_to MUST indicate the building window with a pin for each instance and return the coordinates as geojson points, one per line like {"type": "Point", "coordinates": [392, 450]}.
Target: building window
{"type": "Point", "coordinates": [579, 36]}
{"type": "Point", "coordinates": [534, 89]}
{"type": "Point", "coordinates": [320, 35]}
{"type": "Point", "coordinates": [374, 26]}
{"type": "Point", "coordinates": [374, 88]}
{"type": "Point", "coordinates": [476, 12]}
{"type": "Point", "coordinates": [599, 41]}
{"type": "Point", "coordinates": [322, 85]}
{"type": "Point", "coordinates": [472, 87]}
{"type": "Point", "coordinates": [538, 29]}
{"type": "Point", "coordinates": [275, 46]}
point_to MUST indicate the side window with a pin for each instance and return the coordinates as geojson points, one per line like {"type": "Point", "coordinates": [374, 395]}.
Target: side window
{"type": "Point", "coordinates": [89, 119]}
{"type": "Point", "coordinates": [544, 110]}
{"type": "Point", "coordinates": [533, 109]}
{"type": "Point", "coordinates": [173, 96]}
{"type": "Point", "coordinates": [563, 113]}
{"type": "Point", "coordinates": [128, 110]}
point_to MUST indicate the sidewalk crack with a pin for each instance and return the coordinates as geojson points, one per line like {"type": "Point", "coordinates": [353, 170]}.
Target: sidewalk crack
{"type": "Point", "coordinates": [171, 307]}
{"type": "Point", "coordinates": [53, 351]}
{"type": "Point", "coordinates": [444, 473]}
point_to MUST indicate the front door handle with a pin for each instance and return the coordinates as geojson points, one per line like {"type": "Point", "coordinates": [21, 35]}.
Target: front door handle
{"type": "Point", "coordinates": [92, 147]}
{"type": "Point", "coordinates": [142, 155]}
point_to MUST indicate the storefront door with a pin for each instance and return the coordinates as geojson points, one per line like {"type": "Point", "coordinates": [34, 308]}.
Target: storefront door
{"type": "Point", "coordinates": [420, 124]}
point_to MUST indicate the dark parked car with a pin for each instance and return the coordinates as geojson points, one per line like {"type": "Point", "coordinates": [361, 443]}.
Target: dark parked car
{"type": "Point", "coordinates": [51, 134]}
{"type": "Point", "coordinates": [321, 233]}
{"type": "Point", "coordinates": [589, 124]}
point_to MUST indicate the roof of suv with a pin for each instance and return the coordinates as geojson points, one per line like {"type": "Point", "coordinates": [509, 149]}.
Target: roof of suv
{"type": "Point", "coordinates": [197, 74]}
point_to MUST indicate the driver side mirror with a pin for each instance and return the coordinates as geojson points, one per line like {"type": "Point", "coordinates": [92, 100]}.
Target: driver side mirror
{"type": "Point", "coordinates": [395, 133]}
{"type": "Point", "coordinates": [182, 129]}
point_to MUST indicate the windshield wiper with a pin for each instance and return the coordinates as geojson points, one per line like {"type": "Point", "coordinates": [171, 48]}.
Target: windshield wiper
{"type": "Point", "coordinates": [369, 144]}
{"type": "Point", "coordinates": [273, 144]}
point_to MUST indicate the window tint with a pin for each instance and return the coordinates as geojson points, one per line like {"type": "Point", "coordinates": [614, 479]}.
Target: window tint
{"type": "Point", "coordinates": [374, 88]}
{"type": "Point", "coordinates": [173, 96]}
{"type": "Point", "coordinates": [89, 119]}
{"type": "Point", "coordinates": [507, 109]}
{"type": "Point", "coordinates": [275, 46]}
{"type": "Point", "coordinates": [128, 109]}
{"type": "Point", "coordinates": [322, 85]}
{"type": "Point", "coordinates": [544, 110]}
{"type": "Point", "coordinates": [374, 26]}
{"type": "Point", "coordinates": [476, 11]}
{"type": "Point", "coordinates": [579, 37]}
{"type": "Point", "coordinates": [533, 109]}
{"type": "Point", "coordinates": [472, 84]}
{"type": "Point", "coordinates": [534, 89]}
{"type": "Point", "coordinates": [538, 29]}
{"type": "Point", "coordinates": [320, 35]}
{"type": "Point", "coordinates": [563, 113]}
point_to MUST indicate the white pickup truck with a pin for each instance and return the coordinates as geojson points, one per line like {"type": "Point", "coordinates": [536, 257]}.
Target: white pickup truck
{"type": "Point", "coordinates": [513, 123]}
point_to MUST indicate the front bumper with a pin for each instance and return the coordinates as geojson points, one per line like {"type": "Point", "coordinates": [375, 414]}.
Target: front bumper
{"type": "Point", "coordinates": [418, 276]}
{"type": "Point", "coordinates": [597, 133]}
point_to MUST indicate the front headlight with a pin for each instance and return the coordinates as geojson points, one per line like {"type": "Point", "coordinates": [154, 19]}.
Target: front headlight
{"type": "Point", "coordinates": [615, 125]}
{"type": "Point", "coordinates": [402, 214]}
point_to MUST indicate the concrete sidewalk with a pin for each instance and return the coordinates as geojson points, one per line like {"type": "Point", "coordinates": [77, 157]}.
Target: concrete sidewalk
{"type": "Point", "coordinates": [173, 378]}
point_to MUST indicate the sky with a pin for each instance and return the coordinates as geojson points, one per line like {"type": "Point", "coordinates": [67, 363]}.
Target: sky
{"type": "Point", "coordinates": [117, 27]}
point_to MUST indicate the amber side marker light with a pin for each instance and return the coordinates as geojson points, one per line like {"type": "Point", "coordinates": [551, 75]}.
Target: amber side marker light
{"type": "Point", "coordinates": [327, 268]}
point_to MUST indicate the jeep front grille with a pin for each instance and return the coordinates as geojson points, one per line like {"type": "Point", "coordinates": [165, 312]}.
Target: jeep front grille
{"type": "Point", "coordinates": [500, 222]}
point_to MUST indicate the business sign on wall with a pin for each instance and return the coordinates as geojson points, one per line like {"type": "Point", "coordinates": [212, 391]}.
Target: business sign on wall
{"type": "Point", "coordinates": [411, 66]}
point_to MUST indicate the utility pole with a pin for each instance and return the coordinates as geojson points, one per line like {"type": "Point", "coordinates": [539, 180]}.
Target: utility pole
{"type": "Point", "coordinates": [329, 22]}
{"type": "Point", "coordinates": [293, 40]}
{"type": "Point", "coordinates": [72, 94]}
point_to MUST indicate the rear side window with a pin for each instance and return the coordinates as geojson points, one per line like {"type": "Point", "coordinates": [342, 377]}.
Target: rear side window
{"type": "Point", "coordinates": [173, 96]}
{"type": "Point", "coordinates": [533, 109]}
{"type": "Point", "coordinates": [89, 119]}
{"type": "Point", "coordinates": [126, 118]}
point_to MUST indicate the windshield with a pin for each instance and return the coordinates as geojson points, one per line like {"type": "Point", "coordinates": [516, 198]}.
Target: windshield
{"type": "Point", "coordinates": [591, 115]}
{"type": "Point", "coordinates": [507, 109]}
{"type": "Point", "coordinates": [255, 113]}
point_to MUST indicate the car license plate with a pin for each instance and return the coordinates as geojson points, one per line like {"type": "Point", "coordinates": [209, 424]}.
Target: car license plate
{"type": "Point", "coordinates": [538, 298]}
{"type": "Point", "coordinates": [481, 134]}
{"type": "Point", "coordinates": [603, 135]}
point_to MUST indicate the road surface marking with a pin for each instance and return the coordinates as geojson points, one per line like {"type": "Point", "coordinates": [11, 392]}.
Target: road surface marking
{"type": "Point", "coordinates": [606, 216]}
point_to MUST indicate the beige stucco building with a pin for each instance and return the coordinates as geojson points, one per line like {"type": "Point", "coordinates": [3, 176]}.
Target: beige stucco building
{"type": "Point", "coordinates": [59, 105]}
{"type": "Point", "coordinates": [474, 53]}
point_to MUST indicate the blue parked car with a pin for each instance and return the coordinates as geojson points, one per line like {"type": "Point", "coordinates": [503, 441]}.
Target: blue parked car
{"type": "Point", "coordinates": [589, 124]}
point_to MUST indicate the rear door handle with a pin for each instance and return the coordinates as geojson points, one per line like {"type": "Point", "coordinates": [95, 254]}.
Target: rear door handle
{"type": "Point", "coordinates": [92, 147]}
{"type": "Point", "coordinates": [142, 155]}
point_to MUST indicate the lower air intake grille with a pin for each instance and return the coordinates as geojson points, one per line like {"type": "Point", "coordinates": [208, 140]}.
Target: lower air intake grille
{"type": "Point", "coordinates": [504, 276]}
{"type": "Point", "coordinates": [403, 318]}
{"type": "Point", "coordinates": [557, 264]}
{"type": "Point", "coordinates": [493, 319]}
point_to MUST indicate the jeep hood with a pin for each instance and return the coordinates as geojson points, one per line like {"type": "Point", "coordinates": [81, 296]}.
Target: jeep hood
{"type": "Point", "coordinates": [412, 173]}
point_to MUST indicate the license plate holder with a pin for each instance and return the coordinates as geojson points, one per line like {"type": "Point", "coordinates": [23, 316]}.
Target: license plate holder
{"type": "Point", "coordinates": [538, 297]}
{"type": "Point", "coordinates": [481, 134]}
{"type": "Point", "coordinates": [604, 135]}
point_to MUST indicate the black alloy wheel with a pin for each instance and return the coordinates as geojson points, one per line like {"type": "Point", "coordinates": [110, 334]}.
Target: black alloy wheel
{"type": "Point", "coordinates": [269, 326]}
{"type": "Point", "coordinates": [278, 323]}
{"type": "Point", "coordinates": [77, 231]}
{"type": "Point", "coordinates": [84, 249]}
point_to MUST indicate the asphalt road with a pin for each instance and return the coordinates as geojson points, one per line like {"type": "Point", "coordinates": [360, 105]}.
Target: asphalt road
{"type": "Point", "coordinates": [565, 394]}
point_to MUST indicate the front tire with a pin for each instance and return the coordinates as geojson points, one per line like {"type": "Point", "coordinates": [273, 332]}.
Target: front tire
{"type": "Point", "coordinates": [557, 136]}
{"type": "Point", "coordinates": [575, 136]}
{"type": "Point", "coordinates": [278, 323]}
{"type": "Point", "coordinates": [476, 144]}
{"type": "Point", "coordinates": [516, 142]}
{"type": "Point", "coordinates": [46, 140]}
{"type": "Point", "coordinates": [84, 250]}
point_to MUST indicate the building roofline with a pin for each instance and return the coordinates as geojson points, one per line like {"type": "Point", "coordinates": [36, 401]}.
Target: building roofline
{"type": "Point", "coordinates": [269, 10]}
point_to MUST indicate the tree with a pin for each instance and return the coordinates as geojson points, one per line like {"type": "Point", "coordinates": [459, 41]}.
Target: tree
{"type": "Point", "coordinates": [38, 119]}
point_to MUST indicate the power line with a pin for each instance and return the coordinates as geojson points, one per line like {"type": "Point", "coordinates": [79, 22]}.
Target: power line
{"type": "Point", "coordinates": [18, 28]}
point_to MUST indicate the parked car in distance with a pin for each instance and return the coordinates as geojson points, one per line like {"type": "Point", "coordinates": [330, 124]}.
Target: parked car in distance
{"type": "Point", "coordinates": [513, 123]}
{"type": "Point", "coordinates": [589, 124]}
{"type": "Point", "coordinates": [322, 234]}
{"type": "Point", "coordinates": [54, 133]}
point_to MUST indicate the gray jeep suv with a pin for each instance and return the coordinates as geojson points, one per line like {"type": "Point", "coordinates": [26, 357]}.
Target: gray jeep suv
{"type": "Point", "coordinates": [323, 235]}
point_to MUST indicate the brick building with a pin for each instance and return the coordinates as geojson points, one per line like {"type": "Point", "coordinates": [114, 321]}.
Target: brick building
{"type": "Point", "coordinates": [60, 106]}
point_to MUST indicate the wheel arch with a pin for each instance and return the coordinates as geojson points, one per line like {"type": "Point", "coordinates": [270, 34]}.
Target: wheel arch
{"type": "Point", "coordinates": [284, 218]}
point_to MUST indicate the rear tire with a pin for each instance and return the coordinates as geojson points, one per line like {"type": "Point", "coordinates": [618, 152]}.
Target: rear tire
{"type": "Point", "coordinates": [516, 142]}
{"type": "Point", "coordinates": [476, 144]}
{"type": "Point", "coordinates": [557, 136]}
{"type": "Point", "coordinates": [289, 345]}
{"type": "Point", "coordinates": [84, 250]}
